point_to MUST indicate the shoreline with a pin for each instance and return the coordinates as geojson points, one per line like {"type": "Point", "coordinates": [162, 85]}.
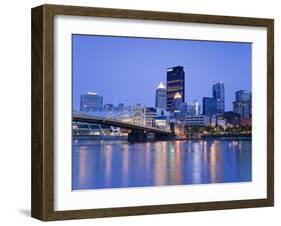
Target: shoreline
{"type": "Point", "coordinates": [205, 137]}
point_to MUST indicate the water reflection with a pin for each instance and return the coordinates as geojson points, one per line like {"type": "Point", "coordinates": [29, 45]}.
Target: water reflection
{"type": "Point", "coordinates": [125, 165]}
{"type": "Point", "coordinates": [113, 164]}
{"type": "Point", "coordinates": [197, 163]}
{"type": "Point", "coordinates": [108, 158]}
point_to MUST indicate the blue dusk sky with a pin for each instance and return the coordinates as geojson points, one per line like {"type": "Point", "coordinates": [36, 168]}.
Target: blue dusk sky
{"type": "Point", "coordinates": [128, 70]}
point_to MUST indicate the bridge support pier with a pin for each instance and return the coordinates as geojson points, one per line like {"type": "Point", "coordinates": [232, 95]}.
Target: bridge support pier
{"type": "Point", "coordinates": [137, 136]}
{"type": "Point", "coordinates": [142, 136]}
{"type": "Point", "coordinates": [163, 137]}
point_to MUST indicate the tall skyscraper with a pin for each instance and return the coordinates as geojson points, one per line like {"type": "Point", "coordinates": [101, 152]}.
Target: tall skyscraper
{"type": "Point", "coordinates": [209, 106]}
{"type": "Point", "coordinates": [243, 103]}
{"type": "Point", "coordinates": [161, 96]}
{"type": "Point", "coordinates": [218, 94]}
{"type": "Point", "coordinates": [91, 102]}
{"type": "Point", "coordinates": [175, 84]}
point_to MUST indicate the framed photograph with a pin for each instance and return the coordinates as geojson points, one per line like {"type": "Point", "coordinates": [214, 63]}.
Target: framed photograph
{"type": "Point", "coordinates": [142, 112]}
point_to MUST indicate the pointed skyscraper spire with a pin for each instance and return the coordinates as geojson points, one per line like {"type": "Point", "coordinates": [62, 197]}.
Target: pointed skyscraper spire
{"type": "Point", "coordinates": [161, 86]}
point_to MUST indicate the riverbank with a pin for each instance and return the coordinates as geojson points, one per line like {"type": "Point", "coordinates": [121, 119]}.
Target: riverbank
{"type": "Point", "coordinates": [228, 136]}
{"type": "Point", "coordinates": [220, 137]}
{"type": "Point", "coordinates": [203, 137]}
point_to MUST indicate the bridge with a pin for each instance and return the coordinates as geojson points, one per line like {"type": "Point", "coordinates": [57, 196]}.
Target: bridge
{"type": "Point", "coordinates": [138, 133]}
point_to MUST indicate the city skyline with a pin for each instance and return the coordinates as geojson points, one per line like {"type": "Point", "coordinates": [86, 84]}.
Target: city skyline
{"type": "Point", "coordinates": [162, 88]}
{"type": "Point", "coordinates": [215, 106]}
{"type": "Point", "coordinates": [119, 90]}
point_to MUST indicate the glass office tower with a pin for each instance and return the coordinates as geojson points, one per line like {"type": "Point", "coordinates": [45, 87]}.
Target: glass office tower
{"type": "Point", "coordinates": [91, 102]}
{"type": "Point", "coordinates": [218, 94]}
{"type": "Point", "coordinates": [161, 96]}
{"type": "Point", "coordinates": [209, 106]}
{"type": "Point", "coordinates": [175, 84]}
{"type": "Point", "coordinates": [243, 103]}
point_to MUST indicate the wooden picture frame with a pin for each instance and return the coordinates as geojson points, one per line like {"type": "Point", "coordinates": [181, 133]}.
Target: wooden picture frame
{"type": "Point", "coordinates": [43, 112]}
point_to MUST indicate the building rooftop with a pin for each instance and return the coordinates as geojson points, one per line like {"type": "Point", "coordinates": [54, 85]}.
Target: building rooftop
{"type": "Point", "coordinates": [161, 86]}
{"type": "Point", "coordinates": [217, 82]}
{"type": "Point", "coordinates": [91, 93]}
{"type": "Point", "coordinates": [175, 68]}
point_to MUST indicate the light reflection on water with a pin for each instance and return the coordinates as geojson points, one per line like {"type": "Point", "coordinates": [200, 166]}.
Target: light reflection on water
{"type": "Point", "coordinates": [115, 164]}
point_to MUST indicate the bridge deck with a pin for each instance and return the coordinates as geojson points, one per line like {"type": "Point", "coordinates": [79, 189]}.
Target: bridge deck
{"type": "Point", "coordinates": [117, 123]}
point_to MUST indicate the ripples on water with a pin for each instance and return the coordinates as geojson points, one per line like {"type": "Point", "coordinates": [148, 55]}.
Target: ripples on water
{"type": "Point", "coordinates": [115, 164]}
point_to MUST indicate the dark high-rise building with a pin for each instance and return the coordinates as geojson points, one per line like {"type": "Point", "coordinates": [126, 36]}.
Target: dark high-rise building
{"type": "Point", "coordinates": [91, 102]}
{"type": "Point", "coordinates": [175, 84]}
{"type": "Point", "coordinates": [161, 96]}
{"type": "Point", "coordinates": [218, 94]}
{"type": "Point", "coordinates": [209, 106]}
{"type": "Point", "coordinates": [243, 104]}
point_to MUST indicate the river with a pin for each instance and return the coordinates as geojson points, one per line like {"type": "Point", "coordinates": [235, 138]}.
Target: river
{"type": "Point", "coordinates": [117, 164]}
